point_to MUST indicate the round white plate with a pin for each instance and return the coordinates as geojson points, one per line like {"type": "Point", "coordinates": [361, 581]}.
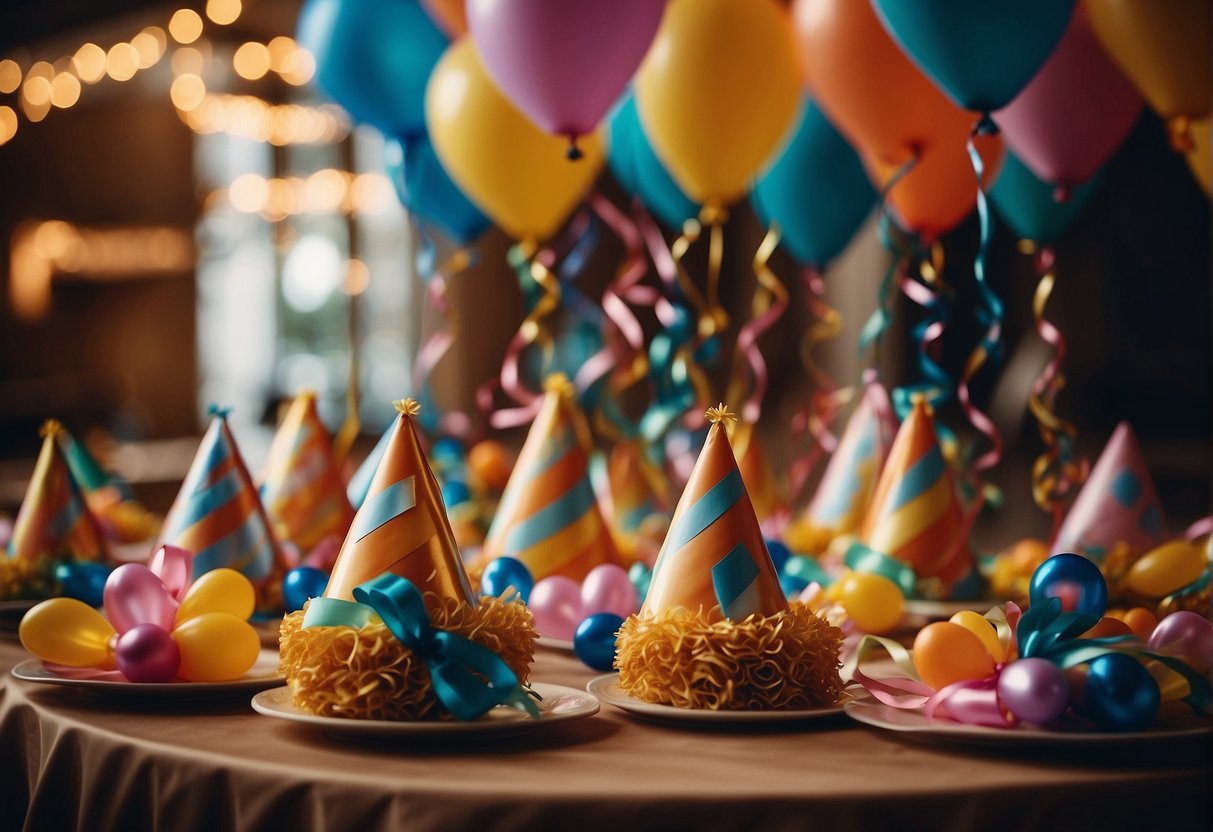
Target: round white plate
{"type": "Point", "coordinates": [608, 690]}
{"type": "Point", "coordinates": [871, 712]}
{"type": "Point", "coordinates": [559, 704]}
{"type": "Point", "coordinates": [946, 609]}
{"type": "Point", "coordinates": [263, 674]}
{"type": "Point", "coordinates": [555, 644]}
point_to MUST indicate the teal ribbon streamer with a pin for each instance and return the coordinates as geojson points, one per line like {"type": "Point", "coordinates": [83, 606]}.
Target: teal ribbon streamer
{"type": "Point", "coordinates": [874, 327]}
{"type": "Point", "coordinates": [861, 558]}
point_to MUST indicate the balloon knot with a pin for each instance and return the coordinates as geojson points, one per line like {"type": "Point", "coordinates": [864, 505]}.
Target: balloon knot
{"type": "Point", "coordinates": [407, 406]}
{"type": "Point", "coordinates": [50, 428]}
{"type": "Point", "coordinates": [216, 410]}
{"type": "Point", "coordinates": [573, 152]}
{"type": "Point", "coordinates": [720, 413]}
{"type": "Point", "coordinates": [559, 383]}
{"type": "Point", "coordinates": [713, 213]}
{"type": "Point", "coordinates": [985, 126]}
{"type": "Point", "coordinates": [1061, 193]}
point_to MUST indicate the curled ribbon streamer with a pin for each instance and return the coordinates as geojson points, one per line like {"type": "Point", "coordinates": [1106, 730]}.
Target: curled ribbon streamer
{"type": "Point", "coordinates": [937, 384]}
{"type": "Point", "coordinates": [453, 423]}
{"type": "Point", "coordinates": [874, 328]}
{"type": "Point", "coordinates": [769, 303]}
{"type": "Point", "coordinates": [577, 242]}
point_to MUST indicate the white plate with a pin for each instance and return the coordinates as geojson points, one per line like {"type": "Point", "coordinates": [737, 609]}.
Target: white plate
{"type": "Point", "coordinates": [608, 690]}
{"type": "Point", "coordinates": [559, 704]}
{"type": "Point", "coordinates": [555, 644]}
{"type": "Point", "coordinates": [946, 609]}
{"type": "Point", "coordinates": [871, 712]}
{"type": "Point", "coordinates": [263, 674]}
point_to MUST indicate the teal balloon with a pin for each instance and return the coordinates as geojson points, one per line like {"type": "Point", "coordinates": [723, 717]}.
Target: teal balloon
{"type": "Point", "coordinates": [1030, 206]}
{"type": "Point", "coordinates": [428, 193]}
{"type": "Point", "coordinates": [980, 52]}
{"type": "Point", "coordinates": [374, 58]}
{"type": "Point", "coordinates": [817, 191]}
{"type": "Point", "coordinates": [636, 167]}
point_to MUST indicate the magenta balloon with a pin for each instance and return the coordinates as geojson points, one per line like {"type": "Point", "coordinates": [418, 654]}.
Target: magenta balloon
{"type": "Point", "coordinates": [1187, 635]}
{"type": "Point", "coordinates": [1075, 112]}
{"type": "Point", "coordinates": [1035, 690]}
{"type": "Point", "coordinates": [563, 62]}
{"type": "Point", "coordinates": [134, 596]}
{"type": "Point", "coordinates": [174, 566]}
{"type": "Point", "coordinates": [608, 589]}
{"type": "Point", "coordinates": [147, 653]}
{"type": "Point", "coordinates": [555, 604]}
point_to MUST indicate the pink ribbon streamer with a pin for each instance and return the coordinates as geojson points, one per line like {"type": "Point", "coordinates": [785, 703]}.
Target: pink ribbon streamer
{"type": "Point", "coordinates": [453, 422]}
{"type": "Point", "coordinates": [755, 327]}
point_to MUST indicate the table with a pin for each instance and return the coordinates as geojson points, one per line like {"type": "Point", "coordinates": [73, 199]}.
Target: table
{"type": "Point", "coordinates": [74, 761]}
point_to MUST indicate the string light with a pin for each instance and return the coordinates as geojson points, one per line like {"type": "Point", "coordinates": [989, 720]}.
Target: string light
{"type": "Point", "coordinates": [251, 61]}
{"type": "Point", "coordinates": [10, 76]}
{"type": "Point", "coordinates": [89, 63]}
{"type": "Point", "coordinates": [185, 26]}
{"type": "Point", "coordinates": [121, 62]}
{"type": "Point", "coordinates": [187, 92]}
{"type": "Point", "coordinates": [223, 12]}
{"type": "Point", "coordinates": [8, 124]}
{"type": "Point", "coordinates": [65, 90]}
{"type": "Point", "coordinates": [326, 191]}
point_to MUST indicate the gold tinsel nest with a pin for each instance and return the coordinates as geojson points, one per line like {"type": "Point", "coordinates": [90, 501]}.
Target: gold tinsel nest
{"type": "Point", "coordinates": [786, 661]}
{"type": "Point", "coordinates": [366, 673]}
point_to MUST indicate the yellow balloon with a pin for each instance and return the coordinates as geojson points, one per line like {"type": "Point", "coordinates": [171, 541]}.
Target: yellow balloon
{"type": "Point", "coordinates": [718, 92]}
{"type": "Point", "coordinates": [1163, 47]}
{"type": "Point", "coordinates": [1200, 157]}
{"type": "Point", "coordinates": [67, 631]}
{"type": "Point", "coordinates": [1166, 568]}
{"type": "Point", "coordinates": [220, 590]}
{"type": "Point", "coordinates": [215, 647]}
{"type": "Point", "coordinates": [984, 630]}
{"type": "Point", "coordinates": [516, 173]}
{"type": "Point", "coordinates": [873, 602]}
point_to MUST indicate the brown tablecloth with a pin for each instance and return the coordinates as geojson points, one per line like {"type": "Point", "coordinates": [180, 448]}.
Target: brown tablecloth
{"type": "Point", "coordinates": [72, 761]}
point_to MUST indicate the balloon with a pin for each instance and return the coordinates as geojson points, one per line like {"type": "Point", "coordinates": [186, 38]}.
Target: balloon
{"type": "Point", "coordinates": [945, 653]}
{"type": "Point", "coordinates": [427, 192]}
{"type": "Point", "coordinates": [873, 602]}
{"type": "Point", "coordinates": [636, 167]}
{"type": "Point", "coordinates": [455, 492]}
{"type": "Point", "coordinates": [563, 62]}
{"type": "Point", "coordinates": [1187, 635]}
{"type": "Point", "coordinates": [134, 595]}
{"type": "Point", "coordinates": [450, 15]}
{"type": "Point", "coordinates": [1073, 579]}
{"type": "Point", "coordinates": [594, 641]}
{"type": "Point", "coordinates": [1108, 627]}
{"type": "Point", "coordinates": [779, 553]}
{"type": "Point", "coordinates": [1200, 156]}
{"type": "Point", "coordinates": [373, 57]}
{"type": "Point", "coordinates": [1074, 114]}
{"type": "Point", "coordinates": [555, 603]}
{"type": "Point", "coordinates": [216, 647]}
{"type": "Point", "coordinates": [867, 86]}
{"type": "Point", "coordinates": [1166, 568]}
{"type": "Point", "coordinates": [718, 92]}
{"type": "Point", "coordinates": [147, 653]}
{"type": "Point", "coordinates": [492, 463]}
{"type": "Point", "coordinates": [67, 631]}
{"type": "Point", "coordinates": [979, 626]}
{"type": "Point", "coordinates": [980, 52]}
{"type": "Point", "coordinates": [512, 170]}
{"type": "Point", "coordinates": [1120, 695]}
{"type": "Point", "coordinates": [816, 191]}
{"type": "Point", "coordinates": [1034, 690]}
{"type": "Point", "coordinates": [83, 580]}
{"type": "Point", "coordinates": [792, 585]}
{"type": "Point", "coordinates": [174, 567]}
{"type": "Point", "coordinates": [220, 590]}
{"type": "Point", "coordinates": [607, 588]}
{"type": "Point", "coordinates": [1031, 207]}
{"type": "Point", "coordinates": [1163, 46]}
{"type": "Point", "coordinates": [448, 449]}
{"type": "Point", "coordinates": [1141, 622]}
{"type": "Point", "coordinates": [641, 576]}
{"type": "Point", "coordinates": [302, 584]}
{"type": "Point", "coordinates": [502, 574]}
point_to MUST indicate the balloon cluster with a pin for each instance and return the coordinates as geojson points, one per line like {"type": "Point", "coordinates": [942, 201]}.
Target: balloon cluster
{"type": "Point", "coordinates": [158, 624]}
{"type": "Point", "coordinates": [871, 602]}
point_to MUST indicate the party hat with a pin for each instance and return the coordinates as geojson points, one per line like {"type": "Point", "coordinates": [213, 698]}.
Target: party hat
{"type": "Point", "coordinates": [360, 482]}
{"type": "Point", "coordinates": [120, 517]}
{"type": "Point", "coordinates": [54, 520]}
{"type": "Point", "coordinates": [756, 471]}
{"type": "Point", "coordinates": [218, 514]}
{"type": "Point", "coordinates": [548, 517]}
{"type": "Point", "coordinates": [1117, 504]}
{"type": "Point", "coordinates": [637, 501]}
{"type": "Point", "coordinates": [915, 515]}
{"type": "Point", "coordinates": [402, 526]}
{"type": "Point", "coordinates": [845, 491]}
{"type": "Point", "coordinates": [714, 555]}
{"type": "Point", "coordinates": [302, 489]}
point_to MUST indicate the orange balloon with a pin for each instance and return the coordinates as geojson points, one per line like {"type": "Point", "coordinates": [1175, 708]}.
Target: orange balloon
{"type": "Point", "coordinates": [1141, 621]}
{"type": "Point", "coordinates": [945, 653]}
{"type": "Point", "coordinates": [492, 462]}
{"type": "Point", "coordinates": [450, 15]}
{"type": "Point", "coordinates": [1108, 627]}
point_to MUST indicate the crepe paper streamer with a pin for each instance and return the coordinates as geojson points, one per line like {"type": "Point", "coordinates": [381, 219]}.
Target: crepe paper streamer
{"type": "Point", "coordinates": [469, 679]}
{"type": "Point", "coordinates": [769, 303]}
{"type": "Point", "coordinates": [436, 345]}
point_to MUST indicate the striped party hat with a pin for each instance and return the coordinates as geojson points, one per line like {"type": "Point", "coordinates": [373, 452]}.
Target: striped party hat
{"type": "Point", "coordinates": [1117, 504]}
{"type": "Point", "coordinates": [548, 517]}
{"type": "Point", "coordinates": [360, 482]}
{"type": "Point", "coordinates": [714, 556]}
{"type": "Point", "coordinates": [218, 514]}
{"type": "Point", "coordinates": [54, 521]}
{"type": "Point", "coordinates": [756, 471]}
{"type": "Point", "coordinates": [302, 488]}
{"type": "Point", "coordinates": [121, 517]}
{"type": "Point", "coordinates": [915, 515]}
{"type": "Point", "coordinates": [402, 526]}
{"type": "Point", "coordinates": [638, 501]}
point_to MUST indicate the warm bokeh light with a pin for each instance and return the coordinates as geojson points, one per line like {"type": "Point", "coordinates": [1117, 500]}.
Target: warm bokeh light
{"type": "Point", "coordinates": [326, 190]}
{"type": "Point", "coordinates": [122, 62]}
{"type": "Point", "coordinates": [223, 12]}
{"type": "Point", "coordinates": [300, 68]}
{"type": "Point", "coordinates": [8, 124]}
{"type": "Point", "coordinates": [370, 193]}
{"type": "Point", "coordinates": [10, 76]}
{"type": "Point", "coordinates": [36, 91]}
{"type": "Point", "coordinates": [357, 277]}
{"type": "Point", "coordinates": [41, 69]}
{"type": "Point", "coordinates": [35, 112]}
{"type": "Point", "coordinates": [89, 62]}
{"type": "Point", "coordinates": [251, 61]}
{"type": "Point", "coordinates": [148, 48]}
{"type": "Point", "coordinates": [248, 193]}
{"type": "Point", "coordinates": [187, 59]}
{"type": "Point", "coordinates": [281, 48]}
{"type": "Point", "coordinates": [187, 92]}
{"type": "Point", "coordinates": [65, 90]}
{"type": "Point", "coordinates": [280, 124]}
{"type": "Point", "coordinates": [185, 26]}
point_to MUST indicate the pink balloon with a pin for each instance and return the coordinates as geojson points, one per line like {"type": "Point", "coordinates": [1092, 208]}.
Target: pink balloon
{"type": "Point", "coordinates": [1074, 114]}
{"type": "Point", "coordinates": [1187, 635]}
{"type": "Point", "coordinates": [608, 589]}
{"type": "Point", "coordinates": [174, 566]}
{"type": "Point", "coordinates": [555, 604]}
{"type": "Point", "coordinates": [563, 62]}
{"type": "Point", "coordinates": [134, 596]}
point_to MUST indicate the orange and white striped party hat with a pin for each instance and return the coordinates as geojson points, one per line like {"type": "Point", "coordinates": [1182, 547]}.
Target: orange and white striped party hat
{"type": "Point", "coordinates": [916, 516]}
{"type": "Point", "coordinates": [714, 556]}
{"type": "Point", "coordinates": [636, 501]}
{"type": "Point", "coordinates": [402, 526]}
{"type": "Point", "coordinates": [756, 471]}
{"type": "Point", "coordinates": [548, 517]}
{"type": "Point", "coordinates": [218, 514]}
{"type": "Point", "coordinates": [302, 488]}
{"type": "Point", "coordinates": [53, 520]}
